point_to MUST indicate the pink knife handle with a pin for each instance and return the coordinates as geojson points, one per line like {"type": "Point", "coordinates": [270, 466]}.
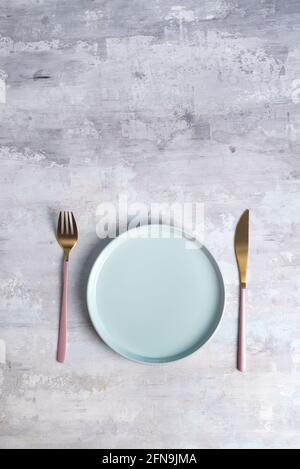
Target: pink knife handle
{"type": "Point", "coordinates": [241, 362]}
{"type": "Point", "coordinates": [62, 338]}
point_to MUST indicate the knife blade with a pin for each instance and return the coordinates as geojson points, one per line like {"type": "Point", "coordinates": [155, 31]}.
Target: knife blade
{"type": "Point", "coordinates": [241, 244]}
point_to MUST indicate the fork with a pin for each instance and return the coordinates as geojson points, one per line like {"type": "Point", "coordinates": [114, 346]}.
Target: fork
{"type": "Point", "coordinates": [67, 237]}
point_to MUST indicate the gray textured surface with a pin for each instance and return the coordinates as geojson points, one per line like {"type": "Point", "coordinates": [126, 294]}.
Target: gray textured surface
{"type": "Point", "coordinates": [196, 101]}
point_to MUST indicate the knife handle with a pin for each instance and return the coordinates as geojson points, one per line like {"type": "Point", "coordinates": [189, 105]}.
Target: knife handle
{"type": "Point", "coordinates": [241, 362]}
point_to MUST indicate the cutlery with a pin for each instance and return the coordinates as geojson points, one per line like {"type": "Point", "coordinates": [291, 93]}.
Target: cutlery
{"type": "Point", "coordinates": [67, 236]}
{"type": "Point", "coordinates": [241, 245]}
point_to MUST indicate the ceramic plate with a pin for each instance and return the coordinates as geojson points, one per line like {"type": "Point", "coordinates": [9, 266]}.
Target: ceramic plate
{"type": "Point", "coordinates": [155, 296]}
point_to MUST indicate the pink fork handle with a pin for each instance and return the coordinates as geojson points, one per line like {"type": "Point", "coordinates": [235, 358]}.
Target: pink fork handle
{"type": "Point", "coordinates": [241, 362]}
{"type": "Point", "coordinates": [62, 338]}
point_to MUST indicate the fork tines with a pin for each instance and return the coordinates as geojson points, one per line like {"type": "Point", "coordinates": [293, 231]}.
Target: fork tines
{"type": "Point", "coordinates": [66, 224]}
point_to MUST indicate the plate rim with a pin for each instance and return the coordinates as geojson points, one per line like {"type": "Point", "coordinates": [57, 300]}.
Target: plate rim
{"type": "Point", "coordinates": [115, 242]}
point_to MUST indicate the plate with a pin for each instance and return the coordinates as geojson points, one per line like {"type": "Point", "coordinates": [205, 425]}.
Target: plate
{"type": "Point", "coordinates": [155, 295]}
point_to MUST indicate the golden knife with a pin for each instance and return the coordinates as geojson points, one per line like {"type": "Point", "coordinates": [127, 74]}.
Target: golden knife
{"type": "Point", "coordinates": [241, 245]}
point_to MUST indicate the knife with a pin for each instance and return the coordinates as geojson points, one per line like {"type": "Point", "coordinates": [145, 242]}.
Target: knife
{"type": "Point", "coordinates": [241, 245]}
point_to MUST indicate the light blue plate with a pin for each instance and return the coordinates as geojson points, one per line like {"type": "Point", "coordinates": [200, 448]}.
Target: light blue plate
{"type": "Point", "coordinates": [154, 296]}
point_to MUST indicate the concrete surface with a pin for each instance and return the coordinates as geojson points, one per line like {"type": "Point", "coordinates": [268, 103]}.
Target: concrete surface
{"type": "Point", "coordinates": [163, 101]}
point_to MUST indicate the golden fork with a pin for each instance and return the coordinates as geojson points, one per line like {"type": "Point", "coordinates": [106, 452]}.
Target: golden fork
{"type": "Point", "coordinates": [67, 237]}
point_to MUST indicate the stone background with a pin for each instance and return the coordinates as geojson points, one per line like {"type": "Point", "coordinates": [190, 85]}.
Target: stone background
{"type": "Point", "coordinates": [164, 101]}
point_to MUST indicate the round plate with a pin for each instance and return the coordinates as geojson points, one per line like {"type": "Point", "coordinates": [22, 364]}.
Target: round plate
{"type": "Point", "coordinates": [154, 296]}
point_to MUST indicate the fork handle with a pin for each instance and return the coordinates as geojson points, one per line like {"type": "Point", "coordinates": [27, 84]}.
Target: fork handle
{"type": "Point", "coordinates": [62, 338]}
{"type": "Point", "coordinates": [241, 362]}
